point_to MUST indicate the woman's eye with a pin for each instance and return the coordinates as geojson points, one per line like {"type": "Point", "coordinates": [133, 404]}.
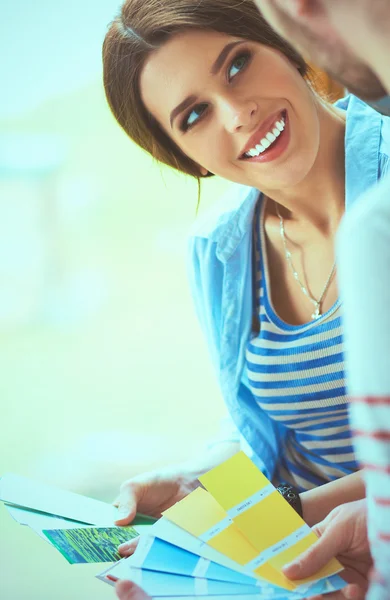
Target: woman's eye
{"type": "Point", "coordinates": [193, 116]}
{"type": "Point", "coordinates": [238, 63]}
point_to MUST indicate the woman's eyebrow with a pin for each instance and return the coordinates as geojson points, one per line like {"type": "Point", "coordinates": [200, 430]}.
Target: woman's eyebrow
{"type": "Point", "coordinates": [180, 107]}
{"type": "Point", "coordinates": [223, 55]}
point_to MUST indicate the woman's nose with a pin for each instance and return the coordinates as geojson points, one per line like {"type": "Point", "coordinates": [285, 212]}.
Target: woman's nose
{"type": "Point", "coordinates": [238, 115]}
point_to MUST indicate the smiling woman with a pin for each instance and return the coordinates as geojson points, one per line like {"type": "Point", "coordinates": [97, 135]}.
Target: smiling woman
{"type": "Point", "coordinates": [209, 88]}
{"type": "Point", "coordinates": [209, 122]}
{"type": "Point", "coordinates": [144, 27]}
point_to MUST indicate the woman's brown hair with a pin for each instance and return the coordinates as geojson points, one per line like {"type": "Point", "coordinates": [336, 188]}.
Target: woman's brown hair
{"type": "Point", "coordinates": [142, 27]}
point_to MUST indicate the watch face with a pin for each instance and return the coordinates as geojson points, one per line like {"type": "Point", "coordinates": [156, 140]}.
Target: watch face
{"type": "Point", "coordinates": [291, 495]}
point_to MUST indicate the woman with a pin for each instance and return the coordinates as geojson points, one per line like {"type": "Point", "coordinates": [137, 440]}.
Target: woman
{"type": "Point", "coordinates": [208, 88]}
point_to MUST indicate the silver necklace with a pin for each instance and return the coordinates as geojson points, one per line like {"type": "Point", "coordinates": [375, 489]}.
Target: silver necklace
{"type": "Point", "coordinates": [317, 303]}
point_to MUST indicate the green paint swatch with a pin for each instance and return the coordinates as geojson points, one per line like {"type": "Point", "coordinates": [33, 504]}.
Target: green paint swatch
{"type": "Point", "coordinates": [141, 519]}
{"type": "Point", "coordinates": [90, 544]}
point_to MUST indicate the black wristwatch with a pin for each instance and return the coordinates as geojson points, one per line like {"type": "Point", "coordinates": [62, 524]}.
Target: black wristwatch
{"type": "Point", "coordinates": [291, 495]}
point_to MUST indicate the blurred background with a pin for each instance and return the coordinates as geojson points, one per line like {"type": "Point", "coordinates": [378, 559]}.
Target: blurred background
{"type": "Point", "coordinates": [104, 371]}
{"type": "Point", "coordinates": [104, 368]}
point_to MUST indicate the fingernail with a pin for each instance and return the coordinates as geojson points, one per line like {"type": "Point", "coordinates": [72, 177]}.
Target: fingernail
{"type": "Point", "coordinates": [295, 564]}
{"type": "Point", "coordinates": [124, 546]}
{"type": "Point", "coordinates": [349, 592]}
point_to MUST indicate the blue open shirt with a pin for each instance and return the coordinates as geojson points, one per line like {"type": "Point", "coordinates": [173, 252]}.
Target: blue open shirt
{"type": "Point", "coordinates": [220, 256]}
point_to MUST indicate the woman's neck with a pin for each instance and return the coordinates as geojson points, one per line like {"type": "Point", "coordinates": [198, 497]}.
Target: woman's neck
{"type": "Point", "coordinates": [318, 200]}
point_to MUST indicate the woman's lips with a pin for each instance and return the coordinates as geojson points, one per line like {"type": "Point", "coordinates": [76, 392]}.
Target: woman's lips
{"type": "Point", "coordinates": [277, 147]}
{"type": "Point", "coordinates": [265, 127]}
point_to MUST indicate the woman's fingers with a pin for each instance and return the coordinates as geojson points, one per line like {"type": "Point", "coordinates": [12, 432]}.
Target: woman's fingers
{"type": "Point", "coordinates": [353, 592]}
{"type": "Point", "coordinates": [127, 590]}
{"type": "Point", "coordinates": [316, 557]}
{"type": "Point", "coordinates": [128, 548]}
{"type": "Point", "coordinates": [127, 503]}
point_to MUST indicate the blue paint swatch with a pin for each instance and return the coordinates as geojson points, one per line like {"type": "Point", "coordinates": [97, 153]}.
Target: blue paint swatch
{"type": "Point", "coordinates": [168, 558]}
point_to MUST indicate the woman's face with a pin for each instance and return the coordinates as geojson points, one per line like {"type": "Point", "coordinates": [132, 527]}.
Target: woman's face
{"type": "Point", "coordinates": [239, 109]}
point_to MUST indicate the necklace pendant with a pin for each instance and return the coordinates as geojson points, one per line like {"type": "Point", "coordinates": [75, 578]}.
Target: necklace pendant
{"type": "Point", "coordinates": [317, 313]}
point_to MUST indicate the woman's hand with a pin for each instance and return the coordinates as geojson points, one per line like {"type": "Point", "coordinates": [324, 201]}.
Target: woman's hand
{"type": "Point", "coordinates": [152, 493]}
{"type": "Point", "coordinates": [128, 548]}
{"type": "Point", "coordinates": [343, 534]}
{"type": "Point", "coordinates": [127, 590]}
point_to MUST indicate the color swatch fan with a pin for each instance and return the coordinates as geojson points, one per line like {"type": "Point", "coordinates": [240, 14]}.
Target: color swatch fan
{"type": "Point", "coordinates": [82, 529]}
{"type": "Point", "coordinates": [230, 539]}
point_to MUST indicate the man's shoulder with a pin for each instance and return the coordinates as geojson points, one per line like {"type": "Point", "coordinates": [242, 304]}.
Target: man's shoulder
{"type": "Point", "coordinates": [362, 117]}
{"type": "Point", "coordinates": [385, 136]}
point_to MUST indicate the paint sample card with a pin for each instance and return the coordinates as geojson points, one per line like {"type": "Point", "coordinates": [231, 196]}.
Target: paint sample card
{"type": "Point", "coordinates": [170, 532]}
{"type": "Point", "coordinates": [230, 542]}
{"type": "Point", "coordinates": [261, 514]}
{"type": "Point", "coordinates": [119, 571]}
{"type": "Point", "coordinates": [123, 570]}
{"type": "Point", "coordinates": [24, 492]}
{"type": "Point", "coordinates": [157, 555]}
{"type": "Point", "coordinates": [38, 521]}
{"type": "Point", "coordinates": [326, 586]}
{"type": "Point", "coordinates": [201, 515]}
{"type": "Point", "coordinates": [90, 544]}
{"type": "Point", "coordinates": [158, 584]}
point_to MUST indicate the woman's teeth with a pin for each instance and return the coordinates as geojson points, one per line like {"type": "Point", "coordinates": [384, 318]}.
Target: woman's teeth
{"type": "Point", "coordinates": [268, 140]}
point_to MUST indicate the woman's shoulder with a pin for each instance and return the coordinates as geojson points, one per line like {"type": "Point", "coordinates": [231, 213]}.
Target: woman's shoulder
{"type": "Point", "coordinates": [227, 221]}
{"type": "Point", "coordinates": [224, 230]}
{"type": "Point", "coordinates": [385, 136]}
{"type": "Point", "coordinates": [228, 209]}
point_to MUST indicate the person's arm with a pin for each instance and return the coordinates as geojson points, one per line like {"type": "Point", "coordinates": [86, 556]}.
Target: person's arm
{"type": "Point", "coordinates": [319, 502]}
{"type": "Point", "coordinates": [363, 252]}
{"type": "Point", "coordinates": [215, 456]}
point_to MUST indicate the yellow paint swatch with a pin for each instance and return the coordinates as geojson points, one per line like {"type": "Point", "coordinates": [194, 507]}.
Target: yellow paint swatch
{"type": "Point", "coordinates": [268, 522]}
{"type": "Point", "coordinates": [201, 515]}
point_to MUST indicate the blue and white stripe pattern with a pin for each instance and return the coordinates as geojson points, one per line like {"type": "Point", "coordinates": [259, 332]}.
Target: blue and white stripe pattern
{"type": "Point", "coordinates": [296, 374]}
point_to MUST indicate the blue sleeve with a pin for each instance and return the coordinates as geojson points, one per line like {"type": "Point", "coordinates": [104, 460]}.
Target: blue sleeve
{"type": "Point", "coordinates": [204, 281]}
{"type": "Point", "coordinates": [208, 276]}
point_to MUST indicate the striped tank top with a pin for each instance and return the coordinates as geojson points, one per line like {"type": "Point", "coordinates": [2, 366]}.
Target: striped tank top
{"type": "Point", "coordinates": [296, 374]}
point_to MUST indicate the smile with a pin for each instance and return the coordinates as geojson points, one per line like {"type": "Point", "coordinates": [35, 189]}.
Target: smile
{"type": "Point", "coordinates": [267, 138]}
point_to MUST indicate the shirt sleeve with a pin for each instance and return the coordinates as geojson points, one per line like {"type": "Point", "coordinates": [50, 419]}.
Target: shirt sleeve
{"type": "Point", "coordinates": [259, 436]}
{"type": "Point", "coordinates": [363, 253]}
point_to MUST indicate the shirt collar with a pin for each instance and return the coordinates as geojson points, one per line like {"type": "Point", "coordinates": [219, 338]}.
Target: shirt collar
{"type": "Point", "coordinates": [239, 224]}
{"type": "Point", "coordinates": [362, 143]}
